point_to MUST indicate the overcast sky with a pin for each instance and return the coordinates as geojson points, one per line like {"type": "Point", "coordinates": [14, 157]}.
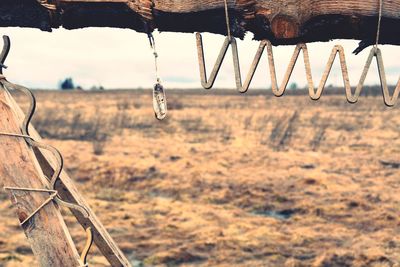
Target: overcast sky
{"type": "Point", "coordinates": [116, 58]}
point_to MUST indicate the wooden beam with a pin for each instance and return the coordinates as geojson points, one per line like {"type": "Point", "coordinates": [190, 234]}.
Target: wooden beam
{"type": "Point", "coordinates": [46, 231]}
{"type": "Point", "coordinates": [68, 192]}
{"type": "Point", "coordinates": [280, 21]}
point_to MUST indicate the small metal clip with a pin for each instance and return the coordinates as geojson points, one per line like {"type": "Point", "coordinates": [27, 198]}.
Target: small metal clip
{"type": "Point", "coordinates": [4, 52]}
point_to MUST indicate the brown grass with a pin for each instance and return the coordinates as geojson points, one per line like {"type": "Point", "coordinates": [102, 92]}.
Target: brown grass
{"type": "Point", "coordinates": [228, 180]}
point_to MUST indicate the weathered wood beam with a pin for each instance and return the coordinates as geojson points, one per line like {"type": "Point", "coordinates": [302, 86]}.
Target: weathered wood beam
{"type": "Point", "coordinates": [47, 232]}
{"type": "Point", "coordinates": [281, 21]}
{"type": "Point", "coordinates": [68, 192]}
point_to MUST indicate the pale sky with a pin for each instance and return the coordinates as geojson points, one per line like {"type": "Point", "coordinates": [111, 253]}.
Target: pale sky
{"type": "Point", "coordinates": [116, 58]}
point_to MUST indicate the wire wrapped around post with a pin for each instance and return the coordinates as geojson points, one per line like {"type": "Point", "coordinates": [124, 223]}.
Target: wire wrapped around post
{"type": "Point", "coordinates": [53, 193]}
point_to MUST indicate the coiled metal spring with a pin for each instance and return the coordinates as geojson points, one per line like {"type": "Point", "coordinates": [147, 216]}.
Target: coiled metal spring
{"type": "Point", "coordinates": [315, 94]}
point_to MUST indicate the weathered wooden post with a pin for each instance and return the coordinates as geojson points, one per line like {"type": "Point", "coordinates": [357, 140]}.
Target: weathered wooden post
{"type": "Point", "coordinates": [24, 169]}
{"type": "Point", "coordinates": [46, 231]}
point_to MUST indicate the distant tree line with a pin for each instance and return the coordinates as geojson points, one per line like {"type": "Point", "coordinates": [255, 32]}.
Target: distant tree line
{"type": "Point", "coordinates": [68, 84]}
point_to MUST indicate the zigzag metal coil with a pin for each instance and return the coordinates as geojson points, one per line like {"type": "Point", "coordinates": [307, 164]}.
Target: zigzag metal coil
{"type": "Point", "coordinates": [315, 94]}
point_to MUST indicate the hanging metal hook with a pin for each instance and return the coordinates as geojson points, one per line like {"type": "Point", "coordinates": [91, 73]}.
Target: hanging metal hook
{"type": "Point", "coordinates": [88, 245]}
{"type": "Point", "coordinates": [4, 52]}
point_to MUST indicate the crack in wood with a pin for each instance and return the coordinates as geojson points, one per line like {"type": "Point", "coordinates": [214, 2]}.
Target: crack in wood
{"type": "Point", "coordinates": [280, 21]}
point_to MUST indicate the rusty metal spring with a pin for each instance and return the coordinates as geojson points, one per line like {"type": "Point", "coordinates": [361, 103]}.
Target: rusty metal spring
{"type": "Point", "coordinates": [315, 94]}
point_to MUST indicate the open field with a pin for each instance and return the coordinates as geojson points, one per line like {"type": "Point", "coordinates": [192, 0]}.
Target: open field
{"type": "Point", "coordinates": [227, 179]}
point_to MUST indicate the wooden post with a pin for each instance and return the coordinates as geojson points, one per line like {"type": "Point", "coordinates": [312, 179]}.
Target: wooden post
{"type": "Point", "coordinates": [43, 160]}
{"type": "Point", "coordinates": [68, 192]}
{"type": "Point", "coordinates": [46, 231]}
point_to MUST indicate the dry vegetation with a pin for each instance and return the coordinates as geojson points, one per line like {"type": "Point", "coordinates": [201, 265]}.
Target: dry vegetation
{"type": "Point", "coordinates": [228, 179]}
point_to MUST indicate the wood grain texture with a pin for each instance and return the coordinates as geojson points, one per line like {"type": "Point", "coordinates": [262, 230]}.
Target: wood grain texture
{"type": "Point", "coordinates": [46, 231]}
{"type": "Point", "coordinates": [281, 21]}
{"type": "Point", "coordinates": [68, 192]}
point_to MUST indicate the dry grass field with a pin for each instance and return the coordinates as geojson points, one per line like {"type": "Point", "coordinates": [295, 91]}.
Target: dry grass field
{"type": "Point", "coordinates": [227, 179]}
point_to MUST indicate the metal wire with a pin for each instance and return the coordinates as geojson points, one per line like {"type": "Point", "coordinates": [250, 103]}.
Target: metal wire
{"type": "Point", "coordinates": [228, 26]}
{"type": "Point", "coordinates": [88, 245]}
{"type": "Point", "coordinates": [57, 155]}
{"type": "Point", "coordinates": [57, 169]}
{"type": "Point", "coordinates": [53, 194]}
{"type": "Point", "coordinates": [378, 28]}
{"type": "Point", "coordinates": [315, 94]}
{"type": "Point", "coordinates": [155, 54]}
